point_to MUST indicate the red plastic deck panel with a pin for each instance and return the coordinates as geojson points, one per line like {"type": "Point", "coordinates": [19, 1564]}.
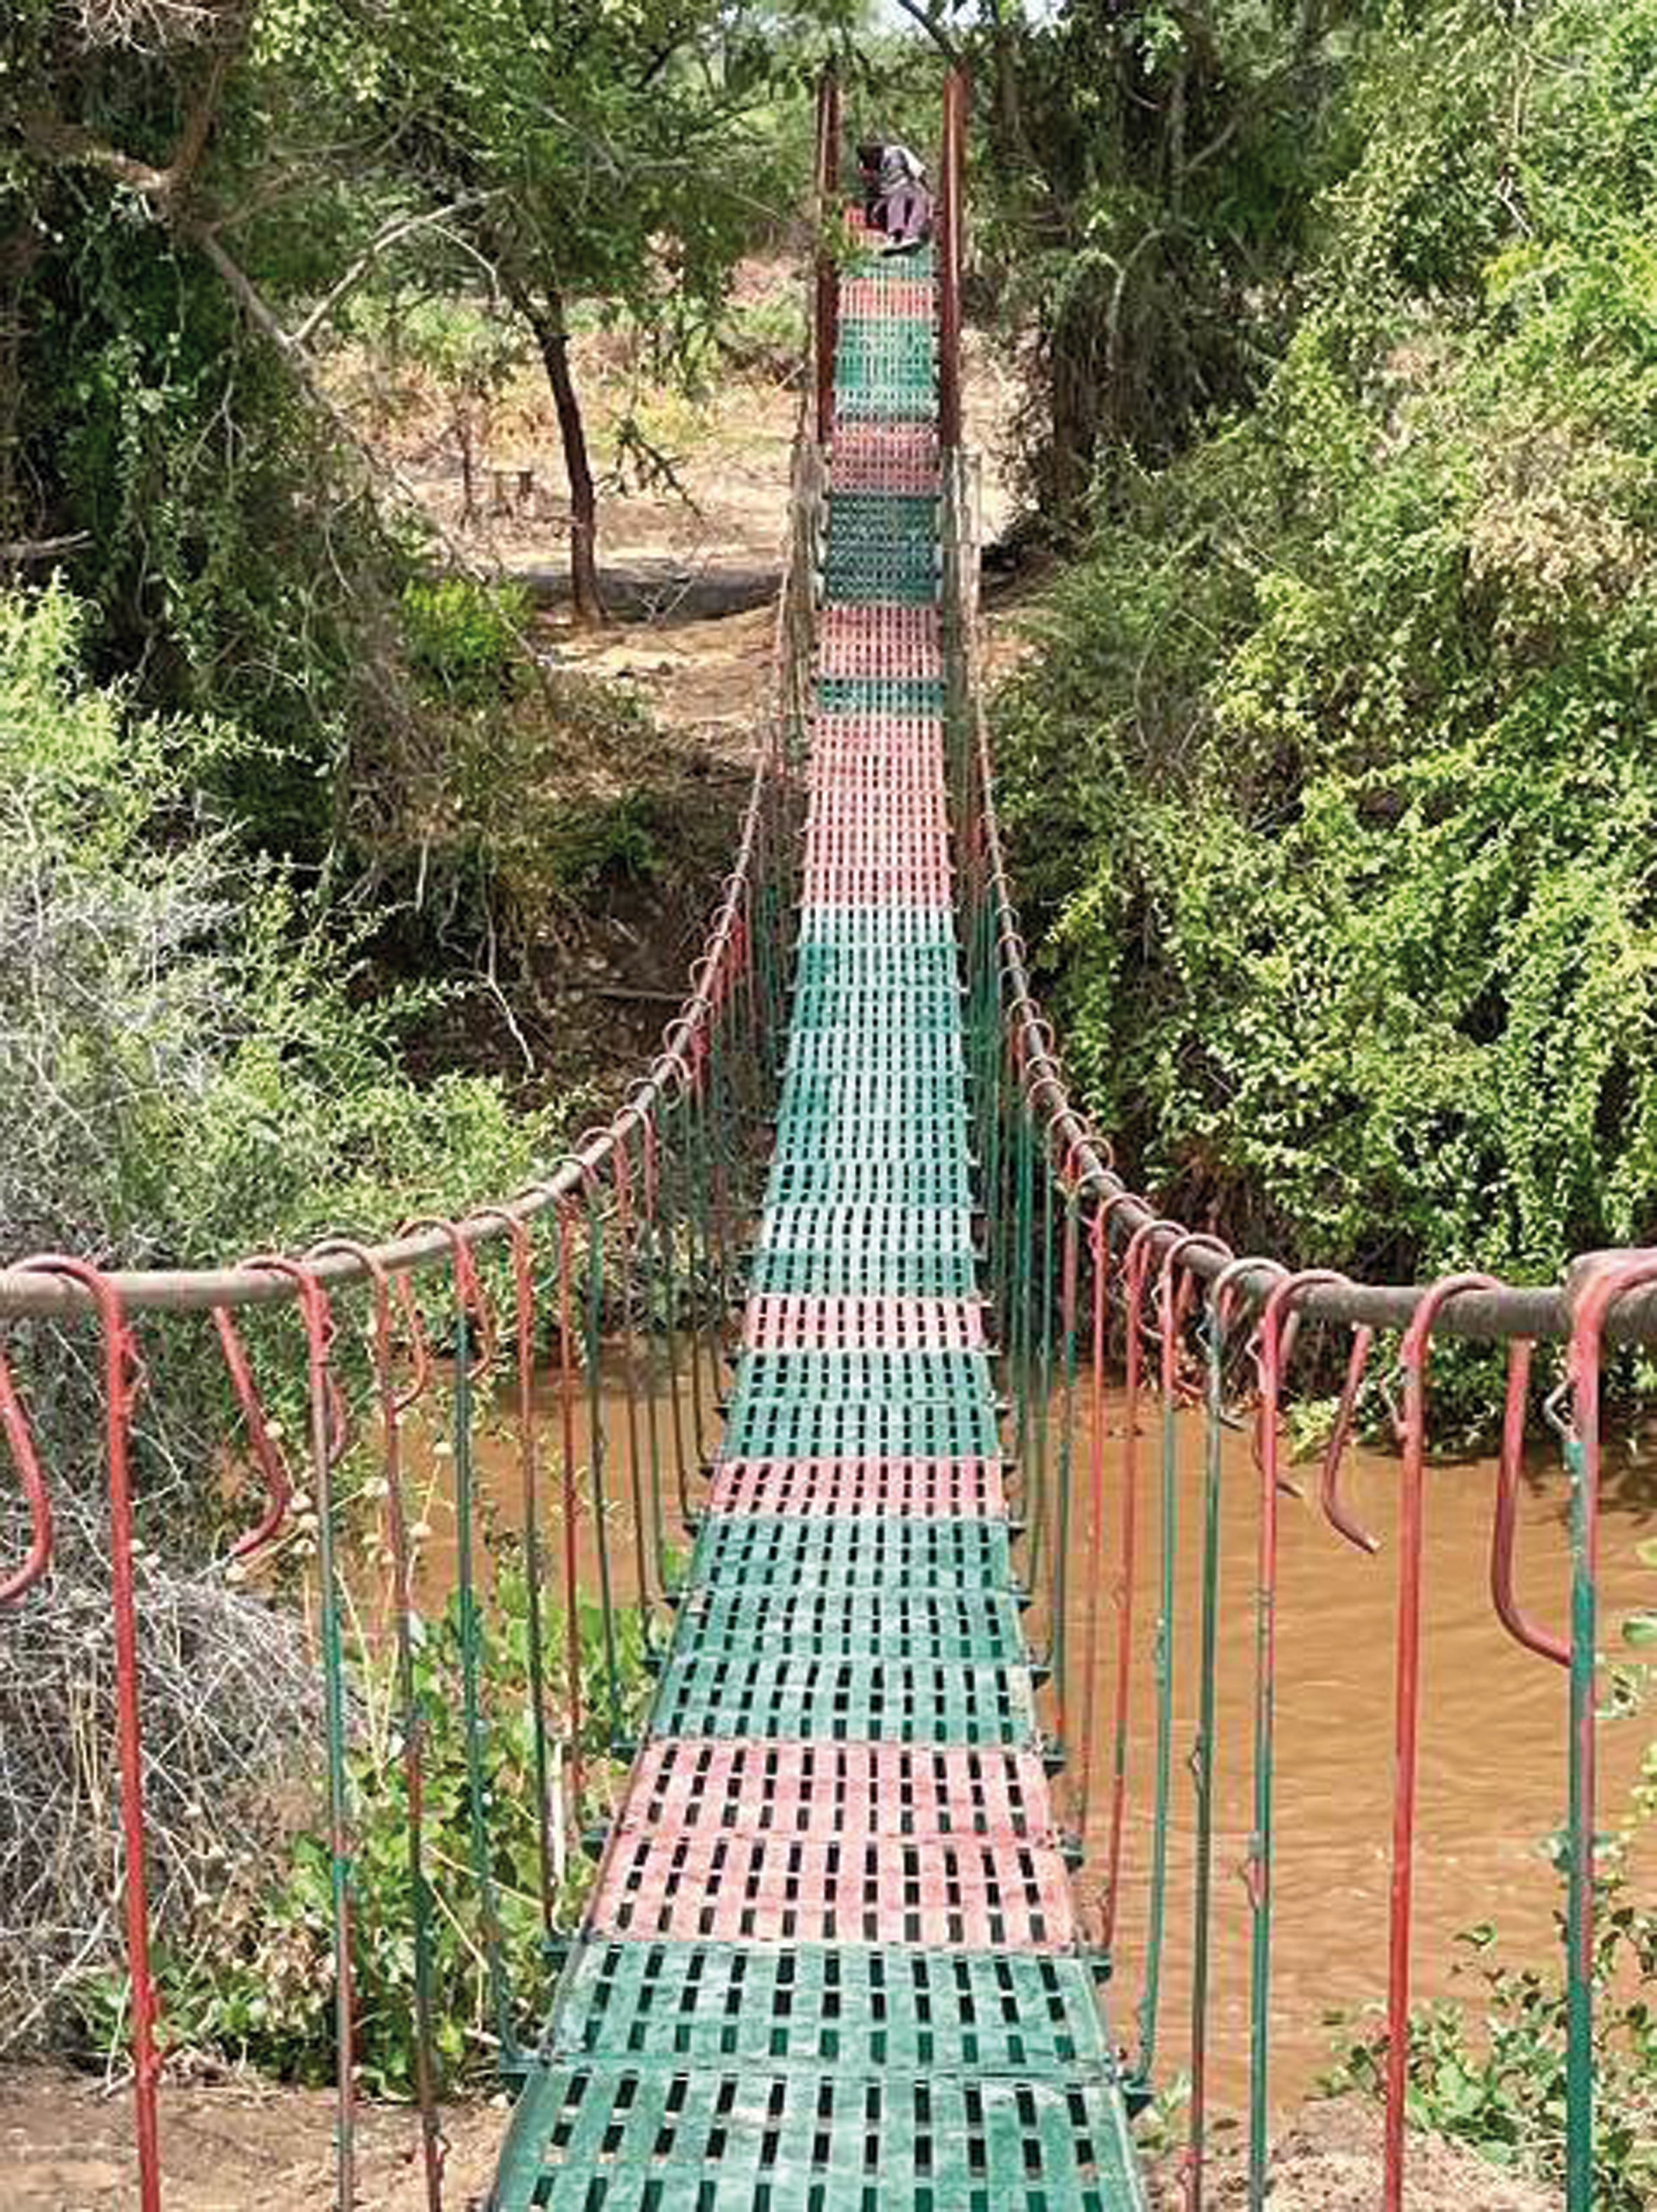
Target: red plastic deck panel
{"type": "Point", "coordinates": [977, 1893]}
{"type": "Point", "coordinates": [874, 872]}
{"type": "Point", "coordinates": [775, 1322]}
{"type": "Point", "coordinates": [870, 782]}
{"type": "Point", "coordinates": [915, 739]}
{"type": "Point", "coordinates": [897, 460]}
{"type": "Point", "coordinates": [837, 805]}
{"type": "Point", "coordinates": [895, 852]}
{"type": "Point", "coordinates": [849, 743]}
{"type": "Point", "coordinates": [887, 640]}
{"type": "Point", "coordinates": [834, 818]}
{"type": "Point", "coordinates": [805, 1489]}
{"type": "Point", "coordinates": [869, 887]}
{"type": "Point", "coordinates": [860, 771]}
{"type": "Point", "coordinates": [877, 300]}
{"type": "Point", "coordinates": [827, 1791]}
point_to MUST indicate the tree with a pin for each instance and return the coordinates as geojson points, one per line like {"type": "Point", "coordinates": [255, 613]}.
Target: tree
{"type": "Point", "coordinates": [584, 152]}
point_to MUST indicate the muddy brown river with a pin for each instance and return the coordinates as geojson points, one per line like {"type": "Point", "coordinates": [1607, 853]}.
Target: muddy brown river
{"type": "Point", "coordinates": [1493, 1732]}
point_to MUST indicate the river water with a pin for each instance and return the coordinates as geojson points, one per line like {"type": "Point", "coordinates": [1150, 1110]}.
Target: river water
{"type": "Point", "coordinates": [1493, 1730]}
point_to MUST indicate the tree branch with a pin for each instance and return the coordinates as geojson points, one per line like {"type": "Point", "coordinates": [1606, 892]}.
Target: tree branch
{"type": "Point", "coordinates": [24, 549]}
{"type": "Point", "coordinates": [934, 30]}
{"type": "Point", "coordinates": [390, 236]}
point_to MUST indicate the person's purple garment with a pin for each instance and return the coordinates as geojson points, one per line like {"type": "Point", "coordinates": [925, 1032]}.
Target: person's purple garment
{"type": "Point", "coordinates": [906, 215]}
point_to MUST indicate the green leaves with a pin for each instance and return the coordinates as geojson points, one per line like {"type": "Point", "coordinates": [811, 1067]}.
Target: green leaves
{"type": "Point", "coordinates": [1332, 778]}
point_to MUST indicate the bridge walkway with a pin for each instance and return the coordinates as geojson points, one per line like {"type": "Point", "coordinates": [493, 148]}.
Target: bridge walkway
{"type": "Point", "coordinates": [831, 1962]}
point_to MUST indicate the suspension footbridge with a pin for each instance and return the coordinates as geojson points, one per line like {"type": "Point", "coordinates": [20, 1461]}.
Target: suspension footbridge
{"type": "Point", "coordinates": [832, 1958]}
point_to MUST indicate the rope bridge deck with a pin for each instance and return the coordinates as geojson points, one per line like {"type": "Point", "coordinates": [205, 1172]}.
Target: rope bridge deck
{"type": "Point", "coordinates": [831, 1962]}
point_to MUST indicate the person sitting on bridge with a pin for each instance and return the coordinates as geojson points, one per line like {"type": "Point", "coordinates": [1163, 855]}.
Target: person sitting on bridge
{"type": "Point", "coordinates": [896, 200]}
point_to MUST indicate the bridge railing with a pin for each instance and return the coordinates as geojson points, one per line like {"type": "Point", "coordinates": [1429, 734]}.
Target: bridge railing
{"type": "Point", "coordinates": [580, 1321]}
{"type": "Point", "coordinates": [1115, 1318]}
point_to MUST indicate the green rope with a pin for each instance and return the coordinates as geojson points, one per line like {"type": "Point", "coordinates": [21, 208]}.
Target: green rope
{"type": "Point", "coordinates": [1202, 1751]}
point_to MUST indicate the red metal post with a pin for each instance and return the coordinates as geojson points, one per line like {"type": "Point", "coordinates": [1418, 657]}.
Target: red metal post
{"type": "Point", "coordinates": [121, 1385]}
{"type": "Point", "coordinates": [14, 1424]}
{"type": "Point", "coordinates": [1406, 1694]}
{"type": "Point", "coordinates": [827, 283]}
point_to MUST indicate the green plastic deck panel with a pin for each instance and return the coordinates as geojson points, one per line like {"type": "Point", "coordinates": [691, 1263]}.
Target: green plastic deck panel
{"type": "Point", "coordinates": [861, 2009]}
{"type": "Point", "coordinates": [973, 1628]}
{"type": "Point", "coordinates": [613, 2137]}
{"type": "Point", "coordinates": [868, 1699]}
{"type": "Point", "coordinates": [831, 1963]}
{"type": "Point", "coordinates": [788, 1556]}
{"type": "Point", "coordinates": [880, 695]}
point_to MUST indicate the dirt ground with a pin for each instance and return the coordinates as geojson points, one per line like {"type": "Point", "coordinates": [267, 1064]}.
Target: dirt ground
{"type": "Point", "coordinates": [65, 2147]}
{"type": "Point", "coordinates": [1329, 2160]}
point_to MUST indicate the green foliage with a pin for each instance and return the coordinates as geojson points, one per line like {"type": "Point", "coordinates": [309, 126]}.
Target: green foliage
{"type": "Point", "coordinates": [1333, 780]}
{"type": "Point", "coordinates": [1498, 2083]}
{"type": "Point", "coordinates": [252, 1980]}
{"type": "Point", "coordinates": [618, 838]}
{"type": "Point", "coordinates": [462, 637]}
{"type": "Point", "coordinates": [199, 1065]}
{"type": "Point", "coordinates": [1141, 207]}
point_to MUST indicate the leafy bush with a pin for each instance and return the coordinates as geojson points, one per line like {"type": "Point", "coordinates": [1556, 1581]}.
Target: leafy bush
{"type": "Point", "coordinates": [462, 638]}
{"type": "Point", "coordinates": [196, 1063]}
{"type": "Point", "coordinates": [1334, 781]}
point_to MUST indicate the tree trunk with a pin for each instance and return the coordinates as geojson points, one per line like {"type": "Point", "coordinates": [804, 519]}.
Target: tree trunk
{"type": "Point", "coordinates": [545, 317]}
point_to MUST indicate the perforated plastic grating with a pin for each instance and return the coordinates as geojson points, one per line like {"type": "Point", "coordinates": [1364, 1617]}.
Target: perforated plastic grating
{"type": "Point", "coordinates": [974, 1626]}
{"type": "Point", "coordinates": [854, 886]}
{"type": "Point", "coordinates": [885, 1700]}
{"type": "Point", "coordinates": [967, 1894]}
{"type": "Point", "coordinates": [883, 929]}
{"type": "Point", "coordinates": [806, 1130]}
{"type": "Point", "coordinates": [885, 369]}
{"type": "Point", "coordinates": [872, 1052]}
{"type": "Point", "coordinates": [840, 1376]}
{"type": "Point", "coordinates": [870, 1232]}
{"type": "Point", "coordinates": [825, 1487]}
{"type": "Point", "coordinates": [922, 1274]}
{"type": "Point", "coordinates": [782, 1427]}
{"type": "Point", "coordinates": [821, 965]}
{"type": "Point", "coordinates": [887, 456]}
{"type": "Point", "coordinates": [856, 2009]}
{"type": "Point", "coordinates": [802, 1554]}
{"type": "Point", "coordinates": [858, 1098]}
{"type": "Point", "coordinates": [828, 1790]}
{"type": "Point", "coordinates": [944, 1182]}
{"type": "Point", "coordinates": [880, 695]}
{"type": "Point", "coordinates": [906, 296]}
{"type": "Point", "coordinates": [925, 1006]}
{"type": "Point", "coordinates": [602, 2137]}
{"type": "Point", "coordinates": [876, 641]}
